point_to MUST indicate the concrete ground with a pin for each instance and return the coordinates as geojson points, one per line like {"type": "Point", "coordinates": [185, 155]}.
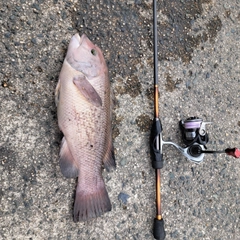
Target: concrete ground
{"type": "Point", "coordinates": [199, 75]}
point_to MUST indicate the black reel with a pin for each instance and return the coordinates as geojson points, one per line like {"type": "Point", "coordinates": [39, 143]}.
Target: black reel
{"type": "Point", "coordinates": [193, 131]}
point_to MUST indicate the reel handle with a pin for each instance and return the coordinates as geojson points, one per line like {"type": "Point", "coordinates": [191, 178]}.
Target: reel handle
{"type": "Point", "coordinates": [158, 229]}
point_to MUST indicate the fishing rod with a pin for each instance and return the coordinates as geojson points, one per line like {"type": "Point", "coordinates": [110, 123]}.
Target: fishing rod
{"type": "Point", "coordinates": [194, 136]}
{"type": "Point", "coordinates": [156, 137]}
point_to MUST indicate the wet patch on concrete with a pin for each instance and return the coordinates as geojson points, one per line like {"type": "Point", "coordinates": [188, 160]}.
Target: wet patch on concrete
{"type": "Point", "coordinates": [119, 89]}
{"type": "Point", "coordinates": [213, 27]}
{"type": "Point", "coordinates": [175, 37]}
{"type": "Point", "coordinates": [171, 85]}
{"type": "Point", "coordinates": [143, 122]}
{"type": "Point", "coordinates": [150, 94]}
{"type": "Point", "coordinates": [131, 86]}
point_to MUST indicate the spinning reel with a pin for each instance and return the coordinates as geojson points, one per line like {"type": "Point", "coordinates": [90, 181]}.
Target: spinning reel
{"type": "Point", "coordinates": [195, 137]}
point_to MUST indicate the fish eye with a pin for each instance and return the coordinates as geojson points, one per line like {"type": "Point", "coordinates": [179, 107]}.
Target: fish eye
{"type": "Point", "coordinates": [93, 52]}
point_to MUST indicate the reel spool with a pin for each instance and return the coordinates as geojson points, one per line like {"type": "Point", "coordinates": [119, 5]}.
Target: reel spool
{"type": "Point", "coordinates": [194, 131]}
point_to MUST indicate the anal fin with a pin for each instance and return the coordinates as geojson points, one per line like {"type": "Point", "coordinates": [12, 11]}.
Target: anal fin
{"type": "Point", "coordinates": [67, 163]}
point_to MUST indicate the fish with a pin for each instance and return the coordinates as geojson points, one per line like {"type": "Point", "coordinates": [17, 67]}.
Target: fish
{"type": "Point", "coordinates": [84, 113]}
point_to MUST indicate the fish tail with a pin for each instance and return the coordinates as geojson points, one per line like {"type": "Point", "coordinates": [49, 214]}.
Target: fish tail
{"type": "Point", "coordinates": [90, 204]}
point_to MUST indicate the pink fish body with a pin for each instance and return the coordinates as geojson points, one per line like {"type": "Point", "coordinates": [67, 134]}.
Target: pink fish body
{"type": "Point", "coordinates": [84, 116]}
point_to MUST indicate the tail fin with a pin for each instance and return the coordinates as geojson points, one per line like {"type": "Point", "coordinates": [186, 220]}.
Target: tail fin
{"type": "Point", "coordinates": [91, 204]}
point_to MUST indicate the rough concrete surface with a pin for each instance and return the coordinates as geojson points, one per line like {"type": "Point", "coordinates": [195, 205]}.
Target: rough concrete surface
{"type": "Point", "coordinates": [199, 75]}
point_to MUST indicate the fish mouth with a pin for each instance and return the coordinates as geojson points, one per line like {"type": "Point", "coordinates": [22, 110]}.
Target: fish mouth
{"type": "Point", "coordinates": [80, 39]}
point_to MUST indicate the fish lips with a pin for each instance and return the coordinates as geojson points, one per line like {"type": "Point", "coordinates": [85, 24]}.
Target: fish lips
{"type": "Point", "coordinates": [77, 41]}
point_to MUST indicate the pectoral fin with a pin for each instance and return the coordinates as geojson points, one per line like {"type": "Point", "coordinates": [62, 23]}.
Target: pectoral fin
{"type": "Point", "coordinates": [87, 90]}
{"type": "Point", "coordinates": [67, 163]}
